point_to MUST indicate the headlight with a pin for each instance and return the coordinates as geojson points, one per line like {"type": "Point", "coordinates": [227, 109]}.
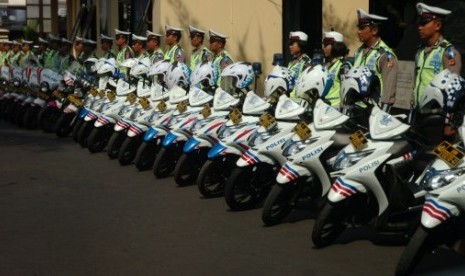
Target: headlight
{"type": "Point", "coordinates": [258, 138]}
{"type": "Point", "coordinates": [291, 147]}
{"type": "Point", "coordinates": [432, 179]}
{"type": "Point", "coordinates": [226, 131]}
{"type": "Point", "coordinates": [198, 125]}
{"type": "Point", "coordinates": [345, 160]}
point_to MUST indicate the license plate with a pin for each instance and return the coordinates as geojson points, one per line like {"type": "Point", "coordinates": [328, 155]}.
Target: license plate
{"type": "Point", "coordinates": [268, 121]}
{"type": "Point", "coordinates": [206, 111]}
{"type": "Point", "coordinates": [131, 98]}
{"type": "Point", "coordinates": [358, 140]}
{"type": "Point", "coordinates": [94, 92]}
{"type": "Point", "coordinates": [111, 95]}
{"type": "Point", "coordinates": [161, 106]}
{"type": "Point", "coordinates": [448, 153]}
{"type": "Point", "coordinates": [235, 116]}
{"type": "Point", "coordinates": [144, 102]}
{"type": "Point", "coordinates": [182, 106]}
{"type": "Point", "coordinates": [303, 131]}
{"type": "Point", "coordinates": [58, 94]}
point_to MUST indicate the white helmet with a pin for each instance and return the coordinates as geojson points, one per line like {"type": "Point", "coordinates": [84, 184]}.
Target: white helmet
{"type": "Point", "coordinates": [442, 93]}
{"type": "Point", "coordinates": [360, 82]}
{"type": "Point", "coordinates": [178, 73]}
{"type": "Point", "coordinates": [202, 72]}
{"type": "Point", "coordinates": [91, 64]}
{"type": "Point", "coordinates": [159, 68]}
{"type": "Point", "coordinates": [107, 66]}
{"type": "Point", "coordinates": [241, 72]}
{"type": "Point", "coordinates": [279, 78]}
{"type": "Point", "coordinates": [141, 67]}
{"type": "Point", "coordinates": [312, 79]}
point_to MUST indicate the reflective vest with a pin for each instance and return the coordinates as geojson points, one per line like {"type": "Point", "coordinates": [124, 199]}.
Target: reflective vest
{"type": "Point", "coordinates": [296, 67]}
{"type": "Point", "coordinates": [218, 61]}
{"type": "Point", "coordinates": [109, 54]}
{"type": "Point", "coordinates": [199, 56]}
{"type": "Point", "coordinates": [169, 56]}
{"type": "Point", "coordinates": [371, 60]}
{"type": "Point", "coordinates": [332, 90]}
{"type": "Point", "coordinates": [430, 66]}
{"type": "Point", "coordinates": [121, 56]}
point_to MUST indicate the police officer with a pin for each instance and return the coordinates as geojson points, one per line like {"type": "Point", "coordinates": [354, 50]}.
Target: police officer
{"type": "Point", "coordinates": [124, 50]}
{"type": "Point", "coordinates": [27, 54]}
{"type": "Point", "coordinates": [16, 54]}
{"type": "Point", "coordinates": [377, 56]}
{"type": "Point", "coordinates": [89, 49]}
{"type": "Point", "coordinates": [52, 57]}
{"type": "Point", "coordinates": [66, 58]}
{"type": "Point", "coordinates": [138, 45]}
{"type": "Point", "coordinates": [220, 58]}
{"type": "Point", "coordinates": [7, 52]}
{"type": "Point", "coordinates": [435, 53]}
{"type": "Point", "coordinates": [106, 44]}
{"type": "Point", "coordinates": [153, 47]}
{"type": "Point", "coordinates": [334, 51]}
{"type": "Point", "coordinates": [172, 38]}
{"type": "Point", "coordinates": [79, 49]}
{"type": "Point", "coordinates": [200, 53]}
{"type": "Point", "coordinates": [299, 59]}
{"type": "Point", "coordinates": [41, 51]}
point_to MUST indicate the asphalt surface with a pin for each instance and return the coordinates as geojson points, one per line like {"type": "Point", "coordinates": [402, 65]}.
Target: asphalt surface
{"type": "Point", "coordinates": [64, 211]}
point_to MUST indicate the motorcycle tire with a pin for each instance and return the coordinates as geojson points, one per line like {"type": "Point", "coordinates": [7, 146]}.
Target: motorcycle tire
{"type": "Point", "coordinates": [114, 144]}
{"type": "Point", "coordinates": [128, 150]}
{"type": "Point", "coordinates": [330, 223]}
{"type": "Point", "coordinates": [19, 114]}
{"type": "Point", "coordinates": [30, 117]}
{"type": "Point", "coordinates": [420, 243]}
{"type": "Point", "coordinates": [3, 107]}
{"type": "Point", "coordinates": [165, 162]}
{"type": "Point", "coordinates": [98, 138]}
{"type": "Point", "coordinates": [247, 187]}
{"type": "Point", "coordinates": [64, 124]}
{"type": "Point", "coordinates": [145, 156]}
{"type": "Point", "coordinates": [47, 119]}
{"type": "Point", "coordinates": [279, 202]}
{"type": "Point", "coordinates": [188, 167]}
{"type": "Point", "coordinates": [77, 125]}
{"type": "Point", "coordinates": [10, 111]}
{"type": "Point", "coordinates": [84, 132]}
{"type": "Point", "coordinates": [213, 176]}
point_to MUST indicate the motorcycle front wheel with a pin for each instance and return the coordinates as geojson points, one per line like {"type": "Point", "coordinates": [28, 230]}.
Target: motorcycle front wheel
{"type": "Point", "coordinates": [214, 174]}
{"type": "Point", "coordinates": [98, 138]}
{"type": "Point", "coordinates": [248, 186]}
{"type": "Point", "coordinates": [30, 117]}
{"type": "Point", "coordinates": [279, 202]}
{"type": "Point", "coordinates": [420, 243]}
{"type": "Point", "coordinates": [145, 156]}
{"type": "Point", "coordinates": [128, 150]}
{"type": "Point", "coordinates": [188, 167]}
{"type": "Point", "coordinates": [64, 125]}
{"type": "Point", "coordinates": [115, 142]}
{"type": "Point", "coordinates": [84, 132]}
{"type": "Point", "coordinates": [165, 162]}
{"type": "Point", "coordinates": [47, 118]}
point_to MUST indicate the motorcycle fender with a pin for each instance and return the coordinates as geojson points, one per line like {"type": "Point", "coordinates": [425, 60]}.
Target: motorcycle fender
{"type": "Point", "coordinates": [150, 134]}
{"type": "Point", "coordinates": [290, 172]}
{"type": "Point", "coordinates": [250, 157]}
{"type": "Point", "coordinates": [217, 150]}
{"type": "Point", "coordinates": [191, 145]}
{"type": "Point", "coordinates": [71, 108]}
{"type": "Point", "coordinates": [121, 125]}
{"type": "Point", "coordinates": [136, 129]}
{"type": "Point", "coordinates": [169, 139]}
{"type": "Point", "coordinates": [102, 121]}
{"type": "Point", "coordinates": [90, 117]}
{"type": "Point", "coordinates": [343, 188]}
{"type": "Point", "coordinates": [83, 113]}
{"type": "Point", "coordinates": [436, 212]}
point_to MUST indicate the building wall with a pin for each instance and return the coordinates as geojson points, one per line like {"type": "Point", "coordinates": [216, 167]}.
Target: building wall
{"type": "Point", "coordinates": [342, 16]}
{"type": "Point", "coordinates": [254, 27]}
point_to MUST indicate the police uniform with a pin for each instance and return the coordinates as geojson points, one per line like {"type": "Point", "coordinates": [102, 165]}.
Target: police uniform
{"type": "Point", "coordinates": [110, 53]}
{"type": "Point", "coordinates": [52, 56]}
{"type": "Point", "coordinates": [379, 58]}
{"type": "Point", "coordinates": [222, 59]}
{"type": "Point", "coordinates": [201, 54]}
{"type": "Point", "coordinates": [6, 55]}
{"type": "Point", "coordinates": [432, 59]}
{"type": "Point", "coordinates": [175, 52]}
{"type": "Point", "coordinates": [26, 57]}
{"type": "Point", "coordinates": [15, 57]}
{"type": "Point", "coordinates": [67, 59]}
{"type": "Point", "coordinates": [336, 68]}
{"type": "Point", "coordinates": [158, 54]}
{"type": "Point", "coordinates": [298, 64]}
{"type": "Point", "coordinates": [124, 53]}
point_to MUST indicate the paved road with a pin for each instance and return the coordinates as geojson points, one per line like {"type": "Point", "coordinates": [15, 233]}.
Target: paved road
{"type": "Point", "coordinates": [64, 211]}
